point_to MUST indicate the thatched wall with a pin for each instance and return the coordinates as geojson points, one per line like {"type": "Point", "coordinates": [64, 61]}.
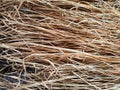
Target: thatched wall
{"type": "Point", "coordinates": [60, 44]}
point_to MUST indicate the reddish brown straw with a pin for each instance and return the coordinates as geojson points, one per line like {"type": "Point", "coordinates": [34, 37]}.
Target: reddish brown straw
{"type": "Point", "coordinates": [60, 44]}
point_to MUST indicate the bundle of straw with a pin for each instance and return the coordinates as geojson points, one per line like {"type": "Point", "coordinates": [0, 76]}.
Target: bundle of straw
{"type": "Point", "coordinates": [59, 45]}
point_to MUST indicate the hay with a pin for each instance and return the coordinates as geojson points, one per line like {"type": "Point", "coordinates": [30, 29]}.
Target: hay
{"type": "Point", "coordinates": [60, 44]}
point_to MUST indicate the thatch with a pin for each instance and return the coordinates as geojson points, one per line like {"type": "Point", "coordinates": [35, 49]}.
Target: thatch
{"type": "Point", "coordinates": [60, 44]}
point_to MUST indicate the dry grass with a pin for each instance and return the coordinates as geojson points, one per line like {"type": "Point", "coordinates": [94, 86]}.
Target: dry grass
{"type": "Point", "coordinates": [60, 44]}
